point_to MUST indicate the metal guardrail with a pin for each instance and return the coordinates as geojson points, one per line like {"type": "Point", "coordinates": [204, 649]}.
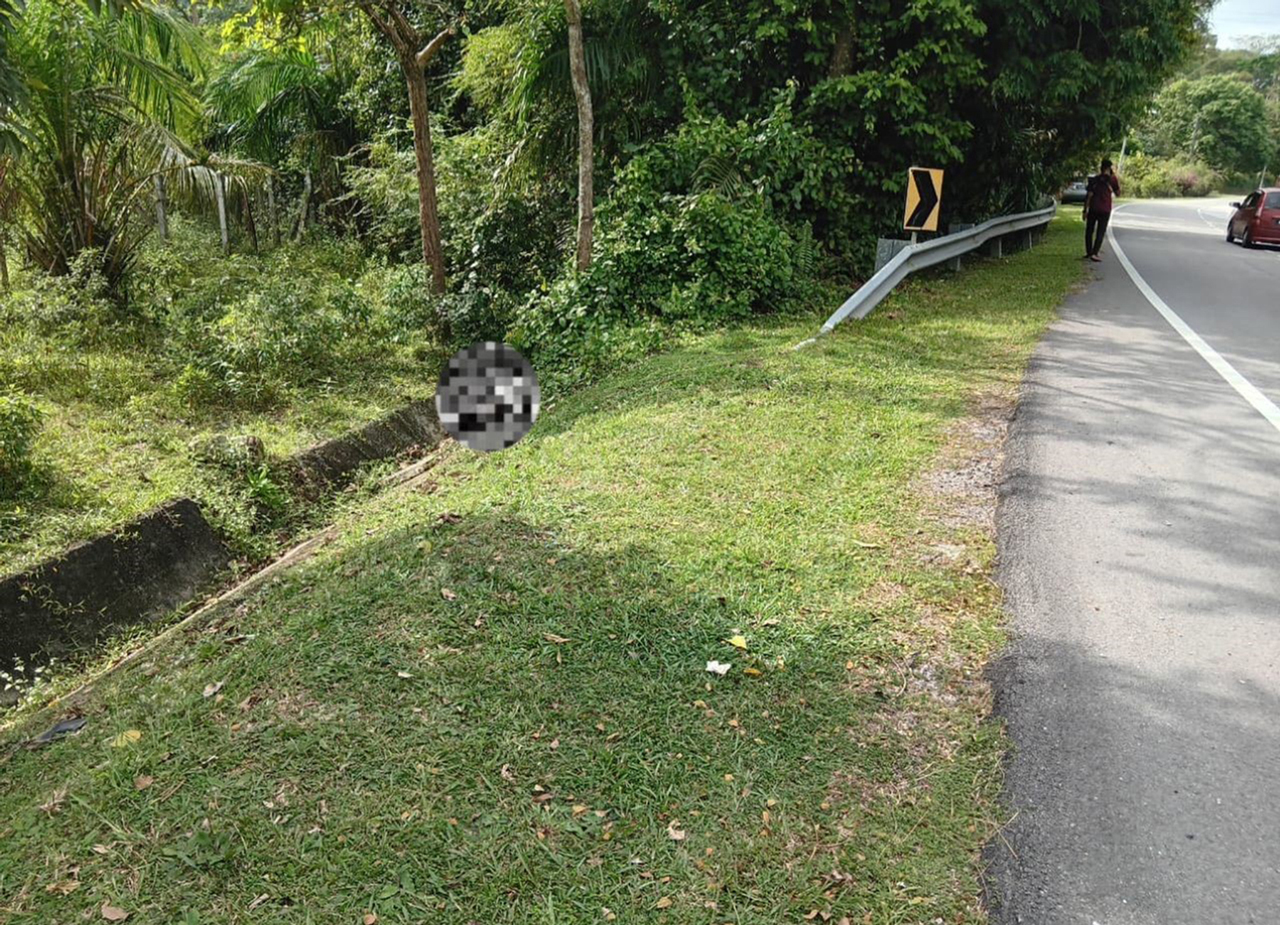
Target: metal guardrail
{"type": "Point", "coordinates": [915, 257]}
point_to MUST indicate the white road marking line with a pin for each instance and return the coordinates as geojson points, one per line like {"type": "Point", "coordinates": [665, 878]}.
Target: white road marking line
{"type": "Point", "coordinates": [1263, 405]}
{"type": "Point", "coordinates": [1213, 222]}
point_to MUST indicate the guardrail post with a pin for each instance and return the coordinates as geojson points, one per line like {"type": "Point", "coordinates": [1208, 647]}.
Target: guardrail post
{"type": "Point", "coordinates": [887, 249]}
{"type": "Point", "coordinates": [994, 247]}
{"type": "Point", "coordinates": [956, 228]}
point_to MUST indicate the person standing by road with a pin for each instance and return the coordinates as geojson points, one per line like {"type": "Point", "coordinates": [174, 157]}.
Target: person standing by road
{"type": "Point", "coordinates": [1097, 208]}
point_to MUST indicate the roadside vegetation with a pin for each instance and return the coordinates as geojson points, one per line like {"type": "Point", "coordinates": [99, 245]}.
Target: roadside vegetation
{"type": "Point", "coordinates": [271, 218]}
{"type": "Point", "coordinates": [112, 416]}
{"type": "Point", "coordinates": [1214, 126]}
{"type": "Point", "coordinates": [487, 699]}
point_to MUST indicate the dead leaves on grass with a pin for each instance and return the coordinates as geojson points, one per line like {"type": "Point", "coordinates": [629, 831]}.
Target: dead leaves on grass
{"type": "Point", "coordinates": [54, 804]}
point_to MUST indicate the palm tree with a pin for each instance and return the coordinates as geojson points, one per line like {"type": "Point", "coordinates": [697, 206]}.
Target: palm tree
{"type": "Point", "coordinates": [106, 92]}
{"type": "Point", "coordinates": [273, 102]}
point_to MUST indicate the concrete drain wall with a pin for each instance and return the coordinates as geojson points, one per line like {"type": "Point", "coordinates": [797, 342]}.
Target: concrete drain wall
{"type": "Point", "coordinates": [167, 557]}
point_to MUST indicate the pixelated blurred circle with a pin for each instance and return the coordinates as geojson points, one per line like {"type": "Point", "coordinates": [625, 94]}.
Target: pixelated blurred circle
{"type": "Point", "coordinates": [488, 396]}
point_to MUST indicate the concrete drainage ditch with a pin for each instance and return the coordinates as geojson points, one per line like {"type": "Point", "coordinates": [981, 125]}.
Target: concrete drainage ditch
{"type": "Point", "coordinates": [168, 557]}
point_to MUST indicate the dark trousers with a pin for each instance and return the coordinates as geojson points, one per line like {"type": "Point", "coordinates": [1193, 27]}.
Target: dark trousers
{"type": "Point", "coordinates": [1095, 229]}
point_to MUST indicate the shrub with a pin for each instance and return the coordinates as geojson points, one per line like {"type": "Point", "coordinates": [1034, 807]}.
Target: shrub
{"type": "Point", "coordinates": [1147, 177]}
{"type": "Point", "coordinates": [688, 261]}
{"type": "Point", "coordinates": [694, 234]}
{"type": "Point", "coordinates": [19, 424]}
{"type": "Point", "coordinates": [288, 333]}
{"type": "Point", "coordinates": [73, 308]}
{"type": "Point", "coordinates": [496, 235]}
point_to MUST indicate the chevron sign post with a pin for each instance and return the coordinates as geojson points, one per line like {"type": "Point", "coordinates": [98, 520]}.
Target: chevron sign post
{"type": "Point", "coordinates": [924, 199]}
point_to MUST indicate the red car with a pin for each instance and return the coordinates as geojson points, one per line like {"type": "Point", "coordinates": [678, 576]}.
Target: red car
{"type": "Point", "coordinates": [1257, 219]}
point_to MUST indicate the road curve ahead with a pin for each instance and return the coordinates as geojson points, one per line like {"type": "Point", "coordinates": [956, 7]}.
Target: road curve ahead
{"type": "Point", "coordinates": [1139, 533]}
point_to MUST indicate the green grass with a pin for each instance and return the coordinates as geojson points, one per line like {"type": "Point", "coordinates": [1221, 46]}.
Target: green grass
{"type": "Point", "coordinates": [486, 702]}
{"type": "Point", "coordinates": [114, 444]}
{"type": "Point", "coordinates": [117, 426]}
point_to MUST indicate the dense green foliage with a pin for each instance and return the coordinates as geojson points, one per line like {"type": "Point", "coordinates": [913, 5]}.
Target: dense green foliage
{"type": "Point", "coordinates": [1220, 119]}
{"type": "Point", "coordinates": [1153, 177]}
{"type": "Point", "coordinates": [1216, 124]}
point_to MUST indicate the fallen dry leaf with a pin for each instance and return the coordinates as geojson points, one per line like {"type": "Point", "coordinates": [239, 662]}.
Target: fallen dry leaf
{"type": "Point", "coordinates": [675, 834]}
{"type": "Point", "coordinates": [211, 689]}
{"type": "Point", "coordinates": [142, 782]}
{"type": "Point", "coordinates": [63, 887]}
{"type": "Point", "coordinates": [552, 637]}
{"type": "Point", "coordinates": [580, 809]}
{"type": "Point", "coordinates": [448, 594]}
{"type": "Point", "coordinates": [128, 737]}
{"type": "Point", "coordinates": [370, 918]}
{"type": "Point", "coordinates": [738, 642]}
{"type": "Point", "coordinates": [55, 802]}
{"type": "Point", "coordinates": [752, 672]}
{"type": "Point", "coordinates": [663, 903]}
{"type": "Point", "coordinates": [403, 674]}
{"type": "Point", "coordinates": [113, 913]}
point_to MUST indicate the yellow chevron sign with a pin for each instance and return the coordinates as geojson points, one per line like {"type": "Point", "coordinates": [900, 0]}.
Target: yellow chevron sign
{"type": "Point", "coordinates": [924, 199]}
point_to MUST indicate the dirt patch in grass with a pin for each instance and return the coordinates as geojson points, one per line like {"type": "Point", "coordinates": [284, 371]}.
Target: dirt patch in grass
{"type": "Point", "coordinates": [963, 487]}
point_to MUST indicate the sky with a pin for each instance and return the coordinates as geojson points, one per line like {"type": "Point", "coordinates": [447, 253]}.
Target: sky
{"type": "Point", "coordinates": [1233, 20]}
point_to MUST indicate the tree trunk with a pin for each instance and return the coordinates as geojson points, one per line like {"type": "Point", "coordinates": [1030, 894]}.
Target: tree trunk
{"type": "Point", "coordinates": [414, 57]}
{"type": "Point", "coordinates": [249, 223]}
{"type": "Point", "coordinates": [586, 134]}
{"type": "Point", "coordinates": [306, 206]}
{"type": "Point", "coordinates": [428, 215]}
{"type": "Point", "coordinates": [842, 54]}
{"type": "Point", "coordinates": [272, 217]}
{"type": "Point", "coordinates": [220, 191]}
{"type": "Point", "coordinates": [4, 264]}
{"type": "Point", "coordinates": [162, 209]}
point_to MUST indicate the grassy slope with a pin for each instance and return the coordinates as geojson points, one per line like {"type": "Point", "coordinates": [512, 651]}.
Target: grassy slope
{"type": "Point", "coordinates": [114, 441]}
{"type": "Point", "coordinates": [406, 733]}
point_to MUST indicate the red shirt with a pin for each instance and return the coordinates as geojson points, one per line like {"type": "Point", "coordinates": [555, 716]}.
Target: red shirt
{"type": "Point", "coordinates": [1101, 187]}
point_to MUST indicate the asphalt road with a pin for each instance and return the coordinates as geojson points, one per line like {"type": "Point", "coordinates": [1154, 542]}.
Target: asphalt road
{"type": "Point", "coordinates": [1139, 535]}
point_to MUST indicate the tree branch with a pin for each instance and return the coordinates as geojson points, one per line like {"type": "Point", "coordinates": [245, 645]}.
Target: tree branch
{"type": "Point", "coordinates": [383, 26]}
{"type": "Point", "coordinates": [424, 57]}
